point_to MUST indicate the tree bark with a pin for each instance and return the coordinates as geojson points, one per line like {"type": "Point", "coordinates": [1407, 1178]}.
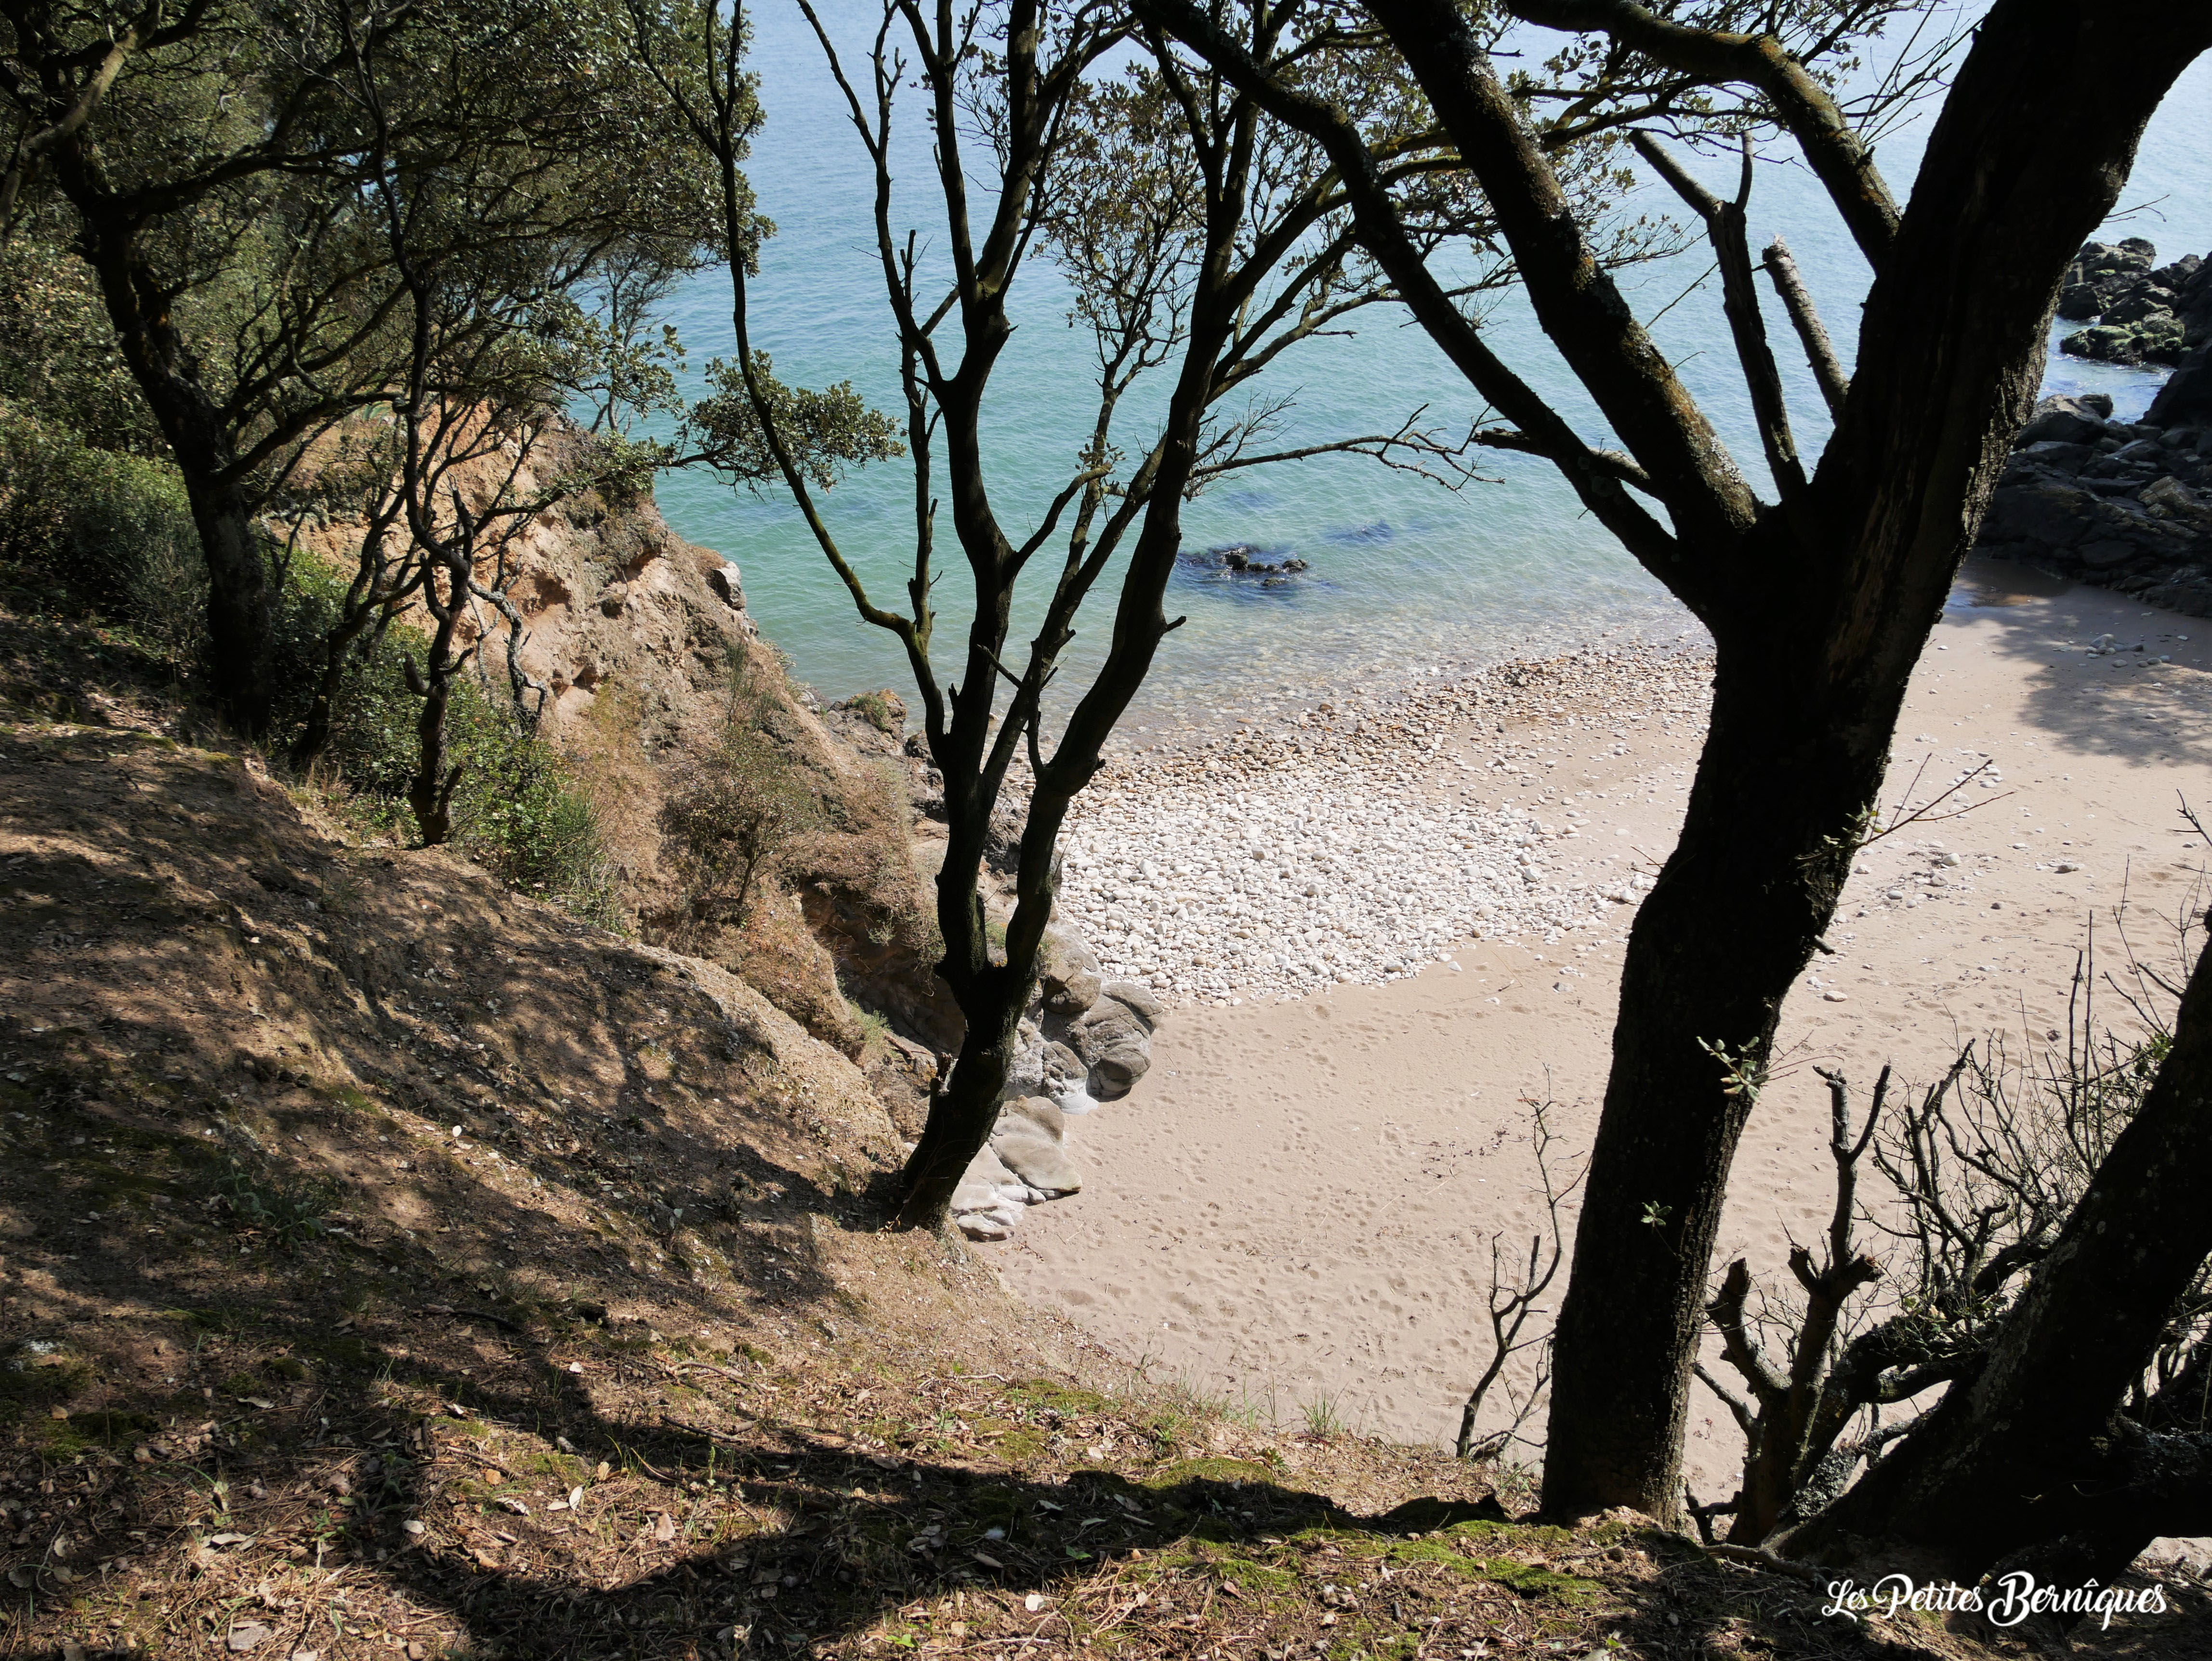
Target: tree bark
{"type": "Point", "coordinates": [1766, 846]}
{"type": "Point", "coordinates": [241, 604]}
{"type": "Point", "coordinates": [962, 1116]}
{"type": "Point", "coordinates": [1830, 609]}
{"type": "Point", "coordinates": [2028, 1451]}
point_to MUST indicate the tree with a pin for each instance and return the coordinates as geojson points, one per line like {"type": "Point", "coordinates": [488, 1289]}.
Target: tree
{"type": "Point", "coordinates": [2063, 1278]}
{"type": "Point", "coordinates": [1818, 601]}
{"type": "Point", "coordinates": [1201, 243]}
{"type": "Point", "coordinates": [218, 177]}
{"type": "Point", "coordinates": [494, 339]}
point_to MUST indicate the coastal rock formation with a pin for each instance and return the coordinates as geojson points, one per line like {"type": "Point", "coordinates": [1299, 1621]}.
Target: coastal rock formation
{"type": "Point", "coordinates": [2139, 313]}
{"type": "Point", "coordinates": [2125, 505]}
{"type": "Point", "coordinates": [1083, 1041]}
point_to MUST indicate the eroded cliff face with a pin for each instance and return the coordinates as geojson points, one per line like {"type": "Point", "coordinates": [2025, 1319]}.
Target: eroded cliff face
{"type": "Point", "coordinates": [640, 641]}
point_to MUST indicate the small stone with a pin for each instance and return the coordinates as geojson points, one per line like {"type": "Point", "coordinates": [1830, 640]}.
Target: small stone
{"type": "Point", "coordinates": [1834, 997]}
{"type": "Point", "coordinates": [413, 1525]}
{"type": "Point", "coordinates": [2065, 866]}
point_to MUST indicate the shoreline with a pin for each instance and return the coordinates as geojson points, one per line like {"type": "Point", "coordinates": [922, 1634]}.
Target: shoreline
{"type": "Point", "coordinates": [1376, 836]}
{"type": "Point", "coordinates": [1296, 1202]}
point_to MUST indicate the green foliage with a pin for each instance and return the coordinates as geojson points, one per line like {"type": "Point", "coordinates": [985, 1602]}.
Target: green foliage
{"type": "Point", "coordinates": [519, 814]}
{"type": "Point", "coordinates": [60, 365]}
{"type": "Point", "coordinates": [282, 1215]}
{"type": "Point", "coordinates": [882, 711]}
{"type": "Point", "coordinates": [823, 432]}
{"type": "Point", "coordinates": [95, 530]}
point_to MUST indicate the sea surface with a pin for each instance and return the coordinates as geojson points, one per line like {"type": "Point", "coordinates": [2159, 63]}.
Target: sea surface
{"type": "Point", "coordinates": [1404, 579]}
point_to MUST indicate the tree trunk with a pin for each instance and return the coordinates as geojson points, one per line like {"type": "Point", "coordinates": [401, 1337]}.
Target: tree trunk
{"type": "Point", "coordinates": [241, 604]}
{"type": "Point", "coordinates": [318, 728]}
{"type": "Point", "coordinates": [964, 1112]}
{"type": "Point", "coordinates": [430, 792]}
{"type": "Point", "coordinates": [1950, 355]}
{"type": "Point", "coordinates": [2028, 1451]}
{"type": "Point", "coordinates": [241, 608]}
{"type": "Point", "coordinates": [1781, 790]}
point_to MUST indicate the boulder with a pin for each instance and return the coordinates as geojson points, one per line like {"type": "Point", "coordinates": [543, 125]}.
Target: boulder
{"type": "Point", "coordinates": [1115, 1041]}
{"type": "Point", "coordinates": [1071, 993]}
{"type": "Point", "coordinates": [2100, 274]}
{"type": "Point", "coordinates": [2044, 512]}
{"type": "Point", "coordinates": [2186, 398]}
{"type": "Point", "coordinates": [2067, 420]}
{"type": "Point", "coordinates": [1025, 1077]}
{"type": "Point", "coordinates": [2126, 504]}
{"type": "Point", "coordinates": [996, 1223]}
{"type": "Point", "coordinates": [2053, 454]}
{"type": "Point", "coordinates": [1002, 838]}
{"type": "Point", "coordinates": [2169, 498]}
{"type": "Point", "coordinates": [982, 1182]}
{"type": "Point", "coordinates": [1031, 1141]}
{"type": "Point", "coordinates": [1067, 973]}
{"type": "Point", "coordinates": [1137, 996]}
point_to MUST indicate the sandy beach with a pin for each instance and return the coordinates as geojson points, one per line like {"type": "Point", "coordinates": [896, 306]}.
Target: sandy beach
{"type": "Point", "coordinates": [1295, 1207]}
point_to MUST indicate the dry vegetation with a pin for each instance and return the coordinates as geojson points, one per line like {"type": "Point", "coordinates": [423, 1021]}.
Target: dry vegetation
{"type": "Point", "coordinates": [392, 1266]}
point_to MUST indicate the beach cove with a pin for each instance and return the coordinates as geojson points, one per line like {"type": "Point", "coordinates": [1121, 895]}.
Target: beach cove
{"type": "Point", "coordinates": [1293, 1209]}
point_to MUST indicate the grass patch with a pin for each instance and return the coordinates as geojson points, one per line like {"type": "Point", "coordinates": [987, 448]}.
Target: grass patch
{"type": "Point", "coordinates": [1212, 1469]}
{"type": "Point", "coordinates": [1043, 1396]}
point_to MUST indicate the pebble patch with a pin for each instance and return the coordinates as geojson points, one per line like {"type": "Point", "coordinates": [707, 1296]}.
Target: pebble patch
{"type": "Point", "coordinates": [1275, 865]}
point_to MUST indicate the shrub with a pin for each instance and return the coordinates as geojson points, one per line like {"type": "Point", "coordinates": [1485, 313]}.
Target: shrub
{"type": "Point", "coordinates": [733, 811]}
{"type": "Point", "coordinates": [519, 813]}
{"type": "Point", "coordinates": [97, 532]}
{"type": "Point", "coordinates": [885, 710]}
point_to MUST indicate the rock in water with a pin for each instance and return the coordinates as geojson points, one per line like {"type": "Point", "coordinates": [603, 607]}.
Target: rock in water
{"type": "Point", "coordinates": [2142, 315]}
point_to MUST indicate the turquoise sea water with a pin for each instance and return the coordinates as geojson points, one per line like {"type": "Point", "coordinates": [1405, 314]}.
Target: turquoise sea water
{"type": "Point", "coordinates": [1406, 579]}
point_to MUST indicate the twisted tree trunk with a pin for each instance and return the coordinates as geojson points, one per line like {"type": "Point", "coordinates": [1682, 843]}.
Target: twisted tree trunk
{"type": "Point", "coordinates": [241, 601]}
{"type": "Point", "coordinates": [1809, 689]}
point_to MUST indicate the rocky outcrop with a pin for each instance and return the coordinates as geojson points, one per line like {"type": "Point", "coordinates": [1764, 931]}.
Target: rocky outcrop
{"type": "Point", "coordinates": [636, 638]}
{"type": "Point", "coordinates": [2139, 312]}
{"type": "Point", "coordinates": [1085, 1041]}
{"type": "Point", "coordinates": [2125, 505]}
